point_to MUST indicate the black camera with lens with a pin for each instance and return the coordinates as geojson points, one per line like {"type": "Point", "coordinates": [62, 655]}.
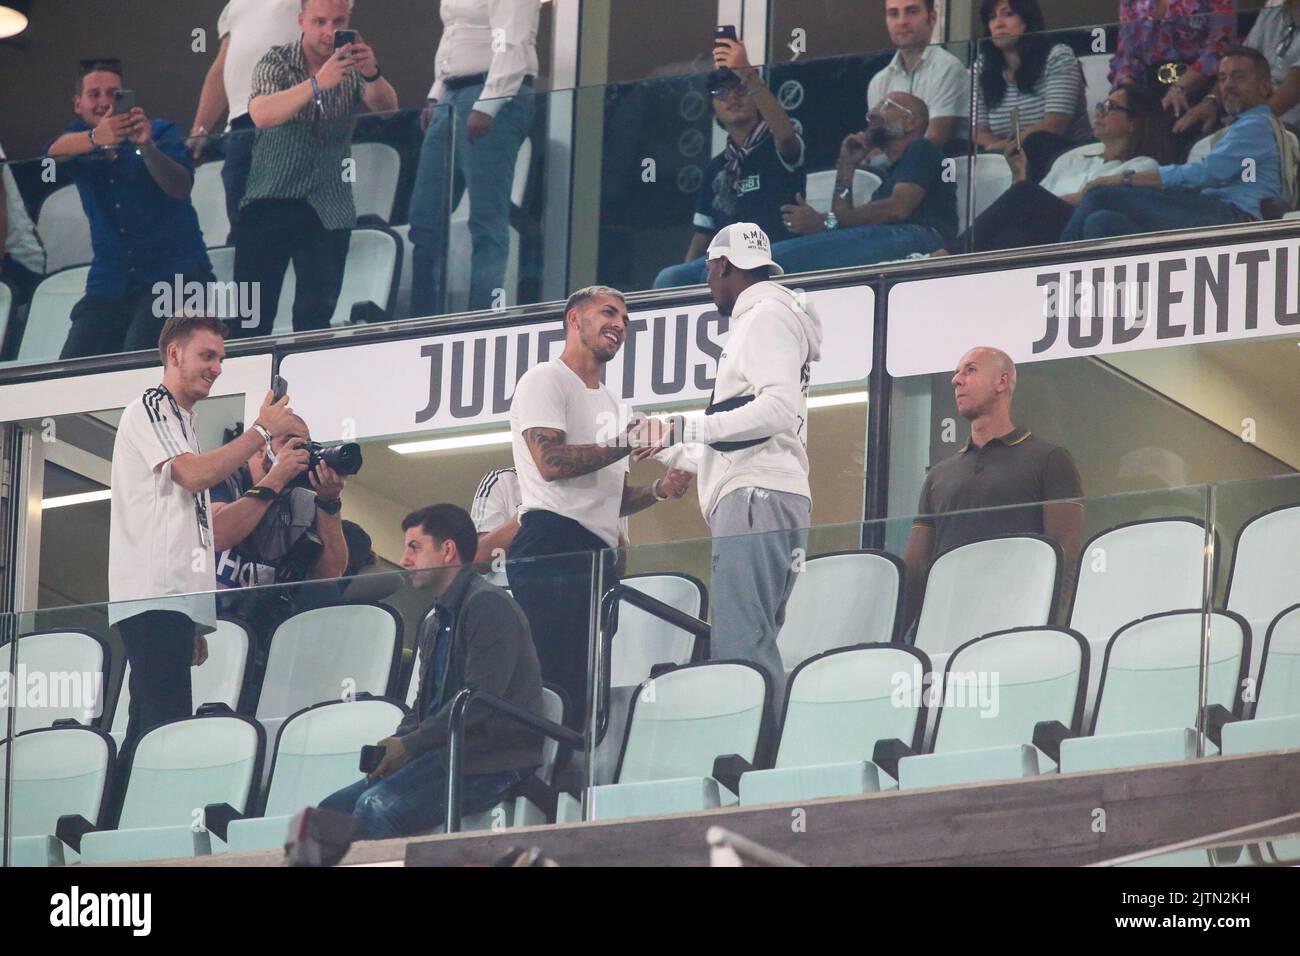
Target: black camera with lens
{"type": "Point", "coordinates": [345, 459]}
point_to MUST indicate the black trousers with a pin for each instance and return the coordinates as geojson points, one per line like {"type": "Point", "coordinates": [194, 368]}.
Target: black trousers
{"type": "Point", "coordinates": [159, 647]}
{"type": "Point", "coordinates": [104, 326]}
{"type": "Point", "coordinates": [1024, 215]}
{"type": "Point", "coordinates": [554, 591]}
{"type": "Point", "coordinates": [271, 233]}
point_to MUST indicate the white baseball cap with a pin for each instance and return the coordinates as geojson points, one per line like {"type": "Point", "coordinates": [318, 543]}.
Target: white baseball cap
{"type": "Point", "coordinates": [745, 245]}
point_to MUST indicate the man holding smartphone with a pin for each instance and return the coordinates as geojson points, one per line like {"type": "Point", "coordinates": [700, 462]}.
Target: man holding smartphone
{"type": "Point", "coordinates": [160, 559]}
{"type": "Point", "coordinates": [298, 203]}
{"type": "Point", "coordinates": [134, 176]}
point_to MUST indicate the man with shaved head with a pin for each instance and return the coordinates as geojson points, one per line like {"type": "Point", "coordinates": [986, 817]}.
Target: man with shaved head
{"type": "Point", "coordinates": [1002, 464]}
{"type": "Point", "coordinates": [914, 210]}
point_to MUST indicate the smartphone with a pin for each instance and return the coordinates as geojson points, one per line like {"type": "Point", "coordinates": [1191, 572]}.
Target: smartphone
{"type": "Point", "coordinates": [724, 32]}
{"type": "Point", "coordinates": [343, 37]}
{"type": "Point", "coordinates": [1015, 121]}
{"type": "Point", "coordinates": [279, 388]}
{"type": "Point", "coordinates": [123, 102]}
{"type": "Point", "coordinates": [371, 756]}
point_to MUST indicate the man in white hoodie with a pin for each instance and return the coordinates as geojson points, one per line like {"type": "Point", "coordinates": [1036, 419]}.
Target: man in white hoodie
{"type": "Point", "coordinates": [750, 449]}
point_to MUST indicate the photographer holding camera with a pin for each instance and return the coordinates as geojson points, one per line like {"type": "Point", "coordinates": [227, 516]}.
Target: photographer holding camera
{"type": "Point", "coordinates": [277, 520]}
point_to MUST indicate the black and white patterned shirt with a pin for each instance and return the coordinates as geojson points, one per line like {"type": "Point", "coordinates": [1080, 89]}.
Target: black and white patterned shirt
{"type": "Point", "coordinates": [304, 158]}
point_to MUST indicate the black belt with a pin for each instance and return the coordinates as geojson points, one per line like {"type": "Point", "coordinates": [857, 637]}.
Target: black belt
{"type": "Point", "coordinates": [460, 82]}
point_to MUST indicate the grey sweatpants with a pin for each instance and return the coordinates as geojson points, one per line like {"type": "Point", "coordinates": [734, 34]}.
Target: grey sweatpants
{"type": "Point", "coordinates": [756, 535]}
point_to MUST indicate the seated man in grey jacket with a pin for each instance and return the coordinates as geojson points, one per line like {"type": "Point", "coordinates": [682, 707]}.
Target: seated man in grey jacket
{"type": "Point", "coordinates": [477, 636]}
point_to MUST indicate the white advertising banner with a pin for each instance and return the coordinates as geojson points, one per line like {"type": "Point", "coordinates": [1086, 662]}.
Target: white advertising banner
{"type": "Point", "coordinates": [1098, 307]}
{"type": "Point", "coordinates": [465, 379]}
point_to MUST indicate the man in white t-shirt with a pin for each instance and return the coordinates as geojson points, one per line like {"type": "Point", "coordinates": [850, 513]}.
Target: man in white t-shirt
{"type": "Point", "coordinates": [568, 433]}
{"type": "Point", "coordinates": [161, 568]}
{"type": "Point", "coordinates": [928, 72]}
{"type": "Point", "coordinates": [248, 29]}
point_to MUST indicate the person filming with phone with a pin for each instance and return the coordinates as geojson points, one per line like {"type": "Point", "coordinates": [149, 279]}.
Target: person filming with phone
{"type": "Point", "coordinates": [298, 203]}
{"type": "Point", "coordinates": [134, 176]}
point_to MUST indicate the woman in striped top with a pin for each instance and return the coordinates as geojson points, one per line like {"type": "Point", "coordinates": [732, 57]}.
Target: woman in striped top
{"type": "Point", "coordinates": [1021, 72]}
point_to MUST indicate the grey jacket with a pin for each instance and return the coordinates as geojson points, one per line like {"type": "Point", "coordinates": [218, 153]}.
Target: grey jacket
{"type": "Point", "coordinates": [491, 650]}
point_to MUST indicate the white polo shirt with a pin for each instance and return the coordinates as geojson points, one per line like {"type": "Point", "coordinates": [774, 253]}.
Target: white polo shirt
{"type": "Point", "coordinates": [551, 395]}
{"type": "Point", "coordinates": [254, 26]}
{"type": "Point", "coordinates": [160, 535]}
{"type": "Point", "coordinates": [938, 79]}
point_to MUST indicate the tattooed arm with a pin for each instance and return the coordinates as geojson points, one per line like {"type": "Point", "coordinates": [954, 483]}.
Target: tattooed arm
{"type": "Point", "coordinates": [637, 497]}
{"type": "Point", "coordinates": [555, 459]}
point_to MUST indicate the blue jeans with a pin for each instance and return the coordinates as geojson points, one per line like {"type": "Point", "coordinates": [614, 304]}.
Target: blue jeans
{"type": "Point", "coordinates": [685, 273]}
{"type": "Point", "coordinates": [1125, 211]}
{"type": "Point", "coordinates": [487, 167]}
{"type": "Point", "coordinates": [414, 799]}
{"type": "Point", "coordinates": [856, 246]}
{"type": "Point", "coordinates": [238, 147]}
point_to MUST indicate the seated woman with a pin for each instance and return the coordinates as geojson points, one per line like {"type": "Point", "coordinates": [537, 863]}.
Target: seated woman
{"type": "Point", "coordinates": [1133, 134]}
{"type": "Point", "coordinates": [1024, 77]}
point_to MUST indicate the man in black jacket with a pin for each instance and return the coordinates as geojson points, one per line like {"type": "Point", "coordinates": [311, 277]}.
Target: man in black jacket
{"type": "Point", "coordinates": [477, 636]}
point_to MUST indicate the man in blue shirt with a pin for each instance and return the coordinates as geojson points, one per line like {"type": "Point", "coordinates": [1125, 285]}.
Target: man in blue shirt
{"type": "Point", "coordinates": [134, 177]}
{"type": "Point", "coordinates": [913, 211]}
{"type": "Point", "coordinates": [1230, 184]}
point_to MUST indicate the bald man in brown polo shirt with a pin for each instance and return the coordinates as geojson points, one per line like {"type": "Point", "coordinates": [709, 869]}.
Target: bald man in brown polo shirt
{"type": "Point", "coordinates": [1002, 464]}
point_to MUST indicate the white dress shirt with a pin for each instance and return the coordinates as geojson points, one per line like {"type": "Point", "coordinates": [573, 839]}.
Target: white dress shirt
{"type": "Point", "coordinates": [496, 37]}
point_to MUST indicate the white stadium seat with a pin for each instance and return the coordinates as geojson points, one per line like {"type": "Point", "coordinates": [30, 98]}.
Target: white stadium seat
{"type": "Point", "coordinates": [217, 681]}
{"type": "Point", "coordinates": [850, 597]}
{"type": "Point", "coordinates": [681, 721]}
{"type": "Point", "coordinates": [1276, 721]}
{"type": "Point", "coordinates": [995, 689]}
{"type": "Point", "coordinates": [73, 665]}
{"type": "Point", "coordinates": [1263, 580]}
{"type": "Point", "coordinates": [64, 230]}
{"type": "Point", "coordinates": [178, 769]}
{"type": "Point", "coordinates": [992, 179]}
{"type": "Point", "coordinates": [1133, 571]}
{"type": "Point", "coordinates": [316, 753]}
{"type": "Point", "coordinates": [209, 199]}
{"type": "Point", "coordinates": [378, 170]}
{"type": "Point", "coordinates": [57, 771]}
{"type": "Point", "coordinates": [838, 706]}
{"type": "Point", "coordinates": [373, 268]}
{"type": "Point", "coordinates": [1146, 710]}
{"type": "Point", "coordinates": [326, 653]}
{"type": "Point", "coordinates": [6, 308]}
{"type": "Point", "coordinates": [987, 586]}
{"type": "Point", "coordinates": [49, 317]}
{"type": "Point", "coordinates": [821, 188]}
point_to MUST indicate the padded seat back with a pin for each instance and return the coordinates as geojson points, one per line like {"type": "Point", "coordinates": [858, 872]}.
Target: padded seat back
{"type": "Point", "coordinates": [56, 771]}
{"type": "Point", "coordinates": [997, 687]}
{"type": "Point", "coordinates": [218, 680]}
{"type": "Point", "coordinates": [49, 315]}
{"type": "Point", "coordinates": [318, 750]}
{"type": "Point", "coordinates": [326, 652]}
{"type": "Point", "coordinates": [840, 600]}
{"type": "Point", "coordinates": [1151, 676]}
{"type": "Point", "coordinates": [187, 764]}
{"type": "Point", "coordinates": [986, 586]}
{"type": "Point", "coordinates": [1265, 576]}
{"type": "Point", "coordinates": [681, 721]}
{"type": "Point", "coordinates": [209, 199]}
{"type": "Point", "coordinates": [992, 179]}
{"type": "Point", "coordinates": [840, 703]}
{"type": "Point", "coordinates": [64, 673]}
{"type": "Point", "coordinates": [643, 640]}
{"type": "Point", "coordinates": [1279, 680]}
{"type": "Point", "coordinates": [64, 230]}
{"type": "Point", "coordinates": [821, 188]}
{"type": "Point", "coordinates": [378, 169]}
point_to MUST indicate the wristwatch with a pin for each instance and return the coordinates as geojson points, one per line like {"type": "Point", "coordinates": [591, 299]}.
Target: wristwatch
{"type": "Point", "coordinates": [91, 134]}
{"type": "Point", "coordinates": [331, 506]}
{"type": "Point", "coordinates": [1127, 176]}
{"type": "Point", "coordinates": [831, 221]}
{"type": "Point", "coordinates": [654, 490]}
{"type": "Point", "coordinates": [844, 190]}
{"type": "Point", "coordinates": [370, 79]}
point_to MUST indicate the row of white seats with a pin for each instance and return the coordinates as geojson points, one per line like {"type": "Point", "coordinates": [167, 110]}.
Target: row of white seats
{"type": "Point", "coordinates": [195, 785]}
{"type": "Point", "coordinates": [1009, 705]}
